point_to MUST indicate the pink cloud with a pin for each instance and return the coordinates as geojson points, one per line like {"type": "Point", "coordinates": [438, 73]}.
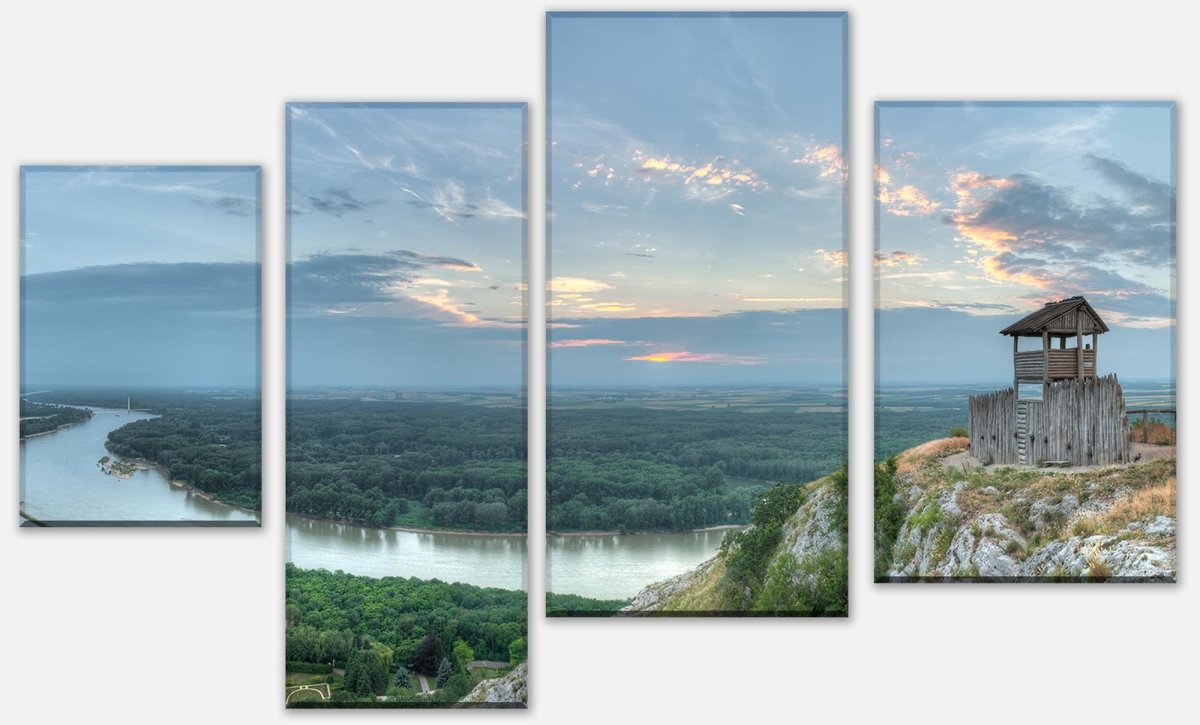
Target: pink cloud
{"type": "Point", "coordinates": [716, 358]}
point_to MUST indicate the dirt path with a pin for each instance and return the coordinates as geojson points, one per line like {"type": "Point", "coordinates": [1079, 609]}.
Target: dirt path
{"type": "Point", "coordinates": [1144, 453]}
{"type": "Point", "coordinates": [490, 664]}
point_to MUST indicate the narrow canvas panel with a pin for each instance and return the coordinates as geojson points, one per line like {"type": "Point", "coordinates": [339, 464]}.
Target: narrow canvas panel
{"type": "Point", "coordinates": [406, 432]}
{"type": "Point", "coordinates": [1025, 403]}
{"type": "Point", "coordinates": [139, 346]}
{"type": "Point", "coordinates": [696, 342]}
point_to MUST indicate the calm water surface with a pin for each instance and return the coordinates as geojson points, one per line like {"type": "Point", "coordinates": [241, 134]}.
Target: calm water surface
{"type": "Point", "coordinates": [618, 566]}
{"type": "Point", "coordinates": [482, 560]}
{"type": "Point", "coordinates": [61, 481]}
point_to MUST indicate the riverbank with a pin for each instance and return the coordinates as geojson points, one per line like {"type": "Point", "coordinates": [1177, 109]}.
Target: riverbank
{"type": "Point", "coordinates": [145, 464]}
{"type": "Point", "coordinates": [64, 426]}
{"type": "Point", "coordinates": [409, 529]}
{"type": "Point", "coordinates": [722, 527]}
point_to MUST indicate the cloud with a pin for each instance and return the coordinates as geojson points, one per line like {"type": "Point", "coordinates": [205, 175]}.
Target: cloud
{"type": "Point", "coordinates": [972, 307]}
{"type": "Point", "coordinates": [441, 301]}
{"type": "Point", "coordinates": [607, 307]}
{"type": "Point", "coordinates": [609, 209]}
{"type": "Point", "coordinates": [836, 257]}
{"type": "Point", "coordinates": [797, 300]}
{"type": "Point", "coordinates": [576, 285]}
{"type": "Point", "coordinates": [827, 158]}
{"type": "Point", "coordinates": [708, 181]}
{"type": "Point", "coordinates": [584, 342]}
{"type": "Point", "coordinates": [897, 259]}
{"type": "Point", "coordinates": [452, 201]}
{"type": "Point", "coordinates": [333, 201]}
{"type": "Point", "coordinates": [714, 358]}
{"type": "Point", "coordinates": [1056, 243]}
{"type": "Point", "coordinates": [326, 280]}
{"type": "Point", "coordinates": [738, 209]}
{"type": "Point", "coordinates": [233, 205]}
{"type": "Point", "coordinates": [183, 286]}
{"type": "Point", "coordinates": [906, 200]}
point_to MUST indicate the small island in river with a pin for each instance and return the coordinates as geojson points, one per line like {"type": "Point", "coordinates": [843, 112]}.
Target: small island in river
{"type": "Point", "coordinates": [120, 469]}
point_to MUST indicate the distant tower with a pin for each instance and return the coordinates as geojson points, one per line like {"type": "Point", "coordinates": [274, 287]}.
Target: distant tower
{"type": "Point", "coordinates": [128, 405]}
{"type": "Point", "coordinates": [1072, 416]}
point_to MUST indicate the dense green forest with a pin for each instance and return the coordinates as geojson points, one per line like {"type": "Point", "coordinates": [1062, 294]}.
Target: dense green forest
{"type": "Point", "coordinates": [638, 468]}
{"type": "Point", "coordinates": [380, 463]}
{"type": "Point", "coordinates": [384, 631]}
{"type": "Point", "coordinates": [42, 418]}
{"type": "Point", "coordinates": [208, 440]}
{"type": "Point", "coordinates": [896, 432]}
{"type": "Point", "coordinates": [573, 605]}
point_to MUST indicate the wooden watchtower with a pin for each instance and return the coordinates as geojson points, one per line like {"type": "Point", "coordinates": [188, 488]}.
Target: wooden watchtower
{"type": "Point", "coordinates": [1057, 321]}
{"type": "Point", "coordinates": [1072, 416]}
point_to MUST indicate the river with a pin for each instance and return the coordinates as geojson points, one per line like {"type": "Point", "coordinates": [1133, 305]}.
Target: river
{"type": "Point", "coordinates": [61, 483]}
{"type": "Point", "coordinates": [618, 566]}
{"type": "Point", "coordinates": [479, 559]}
{"type": "Point", "coordinates": [602, 566]}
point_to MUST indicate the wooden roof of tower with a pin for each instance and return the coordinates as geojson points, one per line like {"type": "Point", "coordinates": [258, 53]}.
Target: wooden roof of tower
{"type": "Point", "coordinates": [1058, 318]}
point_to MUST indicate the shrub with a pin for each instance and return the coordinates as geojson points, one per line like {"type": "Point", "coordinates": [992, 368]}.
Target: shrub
{"type": "Point", "coordinates": [309, 668]}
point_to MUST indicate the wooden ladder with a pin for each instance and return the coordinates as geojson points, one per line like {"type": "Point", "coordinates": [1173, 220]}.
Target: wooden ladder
{"type": "Point", "coordinates": [1023, 432]}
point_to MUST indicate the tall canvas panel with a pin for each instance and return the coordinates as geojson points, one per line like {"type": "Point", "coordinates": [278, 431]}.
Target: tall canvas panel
{"type": "Point", "coordinates": [696, 292]}
{"type": "Point", "coordinates": [139, 346]}
{"type": "Point", "coordinates": [406, 433]}
{"type": "Point", "coordinates": [1025, 403]}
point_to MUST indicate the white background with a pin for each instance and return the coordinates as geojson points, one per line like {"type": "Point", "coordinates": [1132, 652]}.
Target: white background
{"type": "Point", "coordinates": [188, 624]}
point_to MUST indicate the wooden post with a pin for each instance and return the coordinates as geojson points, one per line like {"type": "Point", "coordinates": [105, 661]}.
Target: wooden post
{"type": "Point", "coordinates": [1095, 355]}
{"type": "Point", "coordinates": [1015, 377]}
{"type": "Point", "coordinates": [1078, 346]}
{"type": "Point", "coordinates": [1145, 426]}
{"type": "Point", "coordinates": [1045, 362]}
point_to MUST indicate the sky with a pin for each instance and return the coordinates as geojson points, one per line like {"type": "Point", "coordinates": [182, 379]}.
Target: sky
{"type": "Point", "coordinates": [407, 236]}
{"type": "Point", "coordinates": [697, 199]}
{"type": "Point", "coordinates": [987, 211]}
{"type": "Point", "coordinates": [140, 276]}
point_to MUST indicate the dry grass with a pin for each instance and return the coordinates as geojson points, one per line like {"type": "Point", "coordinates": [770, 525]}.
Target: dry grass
{"type": "Point", "coordinates": [1160, 434]}
{"type": "Point", "coordinates": [702, 595]}
{"type": "Point", "coordinates": [914, 458]}
{"type": "Point", "coordinates": [1141, 505]}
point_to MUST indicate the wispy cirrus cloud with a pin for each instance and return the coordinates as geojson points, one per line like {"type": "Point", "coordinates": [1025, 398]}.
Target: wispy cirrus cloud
{"type": "Point", "coordinates": [574, 285]}
{"type": "Point", "coordinates": [584, 342]}
{"type": "Point", "coordinates": [452, 201]}
{"type": "Point", "coordinates": [684, 356]}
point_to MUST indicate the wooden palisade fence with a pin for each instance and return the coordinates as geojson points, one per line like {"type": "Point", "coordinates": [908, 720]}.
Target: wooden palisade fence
{"type": "Point", "coordinates": [1077, 422]}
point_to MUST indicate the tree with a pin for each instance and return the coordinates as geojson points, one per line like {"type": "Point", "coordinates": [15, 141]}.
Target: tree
{"type": "Point", "coordinates": [428, 653]}
{"type": "Point", "coordinates": [358, 673]}
{"type": "Point", "coordinates": [518, 651]}
{"type": "Point", "coordinates": [403, 677]}
{"type": "Point", "coordinates": [463, 655]}
{"type": "Point", "coordinates": [445, 671]}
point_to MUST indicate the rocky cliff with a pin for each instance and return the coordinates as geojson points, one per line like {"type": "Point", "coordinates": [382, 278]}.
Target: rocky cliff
{"type": "Point", "coordinates": [794, 565]}
{"type": "Point", "coordinates": [507, 690]}
{"type": "Point", "coordinates": [942, 515]}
